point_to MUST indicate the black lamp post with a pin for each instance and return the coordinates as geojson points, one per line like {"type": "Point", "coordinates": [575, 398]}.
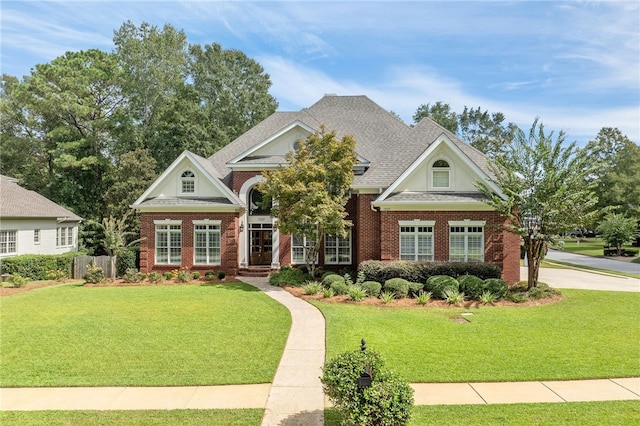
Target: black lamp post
{"type": "Point", "coordinates": [365, 375]}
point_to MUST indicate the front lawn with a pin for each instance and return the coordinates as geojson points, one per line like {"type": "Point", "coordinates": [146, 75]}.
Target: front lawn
{"type": "Point", "coordinates": [589, 334]}
{"type": "Point", "coordinates": [567, 414]}
{"type": "Point", "coordinates": [71, 335]}
{"type": "Point", "coordinates": [244, 417]}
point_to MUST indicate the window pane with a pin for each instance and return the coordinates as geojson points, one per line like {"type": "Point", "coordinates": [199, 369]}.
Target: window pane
{"type": "Point", "coordinates": [456, 248]}
{"type": "Point", "coordinates": [440, 179]}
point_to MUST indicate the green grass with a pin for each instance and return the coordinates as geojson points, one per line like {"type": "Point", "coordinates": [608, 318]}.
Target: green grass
{"type": "Point", "coordinates": [244, 417]}
{"type": "Point", "coordinates": [589, 334]}
{"type": "Point", "coordinates": [70, 335]}
{"type": "Point", "coordinates": [574, 413]}
{"type": "Point", "coordinates": [588, 246]}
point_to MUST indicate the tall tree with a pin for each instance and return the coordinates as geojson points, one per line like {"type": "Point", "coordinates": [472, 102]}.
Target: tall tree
{"type": "Point", "coordinates": [543, 187]}
{"type": "Point", "coordinates": [439, 112]}
{"type": "Point", "coordinates": [618, 170]}
{"type": "Point", "coordinates": [309, 195]}
{"type": "Point", "coordinates": [485, 131]}
{"type": "Point", "coordinates": [66, 111]}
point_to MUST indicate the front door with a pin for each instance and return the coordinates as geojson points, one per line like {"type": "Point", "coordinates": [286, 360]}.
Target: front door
{"type": "Point", "coordinates": [261, 246]}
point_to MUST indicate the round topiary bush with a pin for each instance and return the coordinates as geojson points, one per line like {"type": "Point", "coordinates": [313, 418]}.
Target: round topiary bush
{"type": "Point", "coordinates": [415, 288]}
{"type": "Point", "coordinates": [372, 288]}
{"type": "Point", "coordinates": [471, 286]}
{"type": "Point", "coordinates": [339, 287]}
{"type": "Point", "coordinates": [496, 286]}
{"type": "Point", "coordinates": [398, 286]}
{"type": "Point", "coordinates": [437, 285]}
{"type": "Point", "coordinates": [332, 278]}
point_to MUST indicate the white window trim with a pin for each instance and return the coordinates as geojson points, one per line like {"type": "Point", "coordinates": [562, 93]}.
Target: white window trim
{"type": "Point", "coordinates": [37, 237]}
{"type": "Point", "coordinates": [207, 222]}
{"type": "Point", "coordinates": [432, 170]}
{"type": "Point", "coordinates": [184, 179]}
{"type": "Point", "coordinates": [304, 252]}
{"type": "Point", "coordinates": [166, 222]}
{"type": "Point", "coordinates": [69, 236]}
{"type": "Point", "coordinates": [337, 248]}
{"type": "Point", "coordinates": [5, 244]}
{"type": "Point", "coordinates": [467, 223]}
{"type": "Point", "coordinates": [416, 223]}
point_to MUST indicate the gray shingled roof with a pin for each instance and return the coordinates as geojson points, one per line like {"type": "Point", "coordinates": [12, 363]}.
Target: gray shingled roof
{"type": "Point", "coordinates": [386, 142]}
{"type": "Point", "coordinates": [18, 202]}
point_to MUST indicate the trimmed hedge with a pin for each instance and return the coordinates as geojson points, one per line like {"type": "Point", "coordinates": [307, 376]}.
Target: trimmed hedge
{"type": "Point", "coordinates": [438, 284]}
{"type": "Point", "coordinates": [496, 286]}
{"type": "Point", "coordinates": [471, 286]}
{"type": "Point", "coordinates": [381, 271]}
{"type": "Point", "coordinates": [288, 276]}
{"type": "Point", "coordinates": [329, 279]}
{"type": "Point", "coordinates": [372, 288]}
{"type": "Point", "coordinates": [398, 286]}
{"type": "Point", "coordinates": [36, 266]}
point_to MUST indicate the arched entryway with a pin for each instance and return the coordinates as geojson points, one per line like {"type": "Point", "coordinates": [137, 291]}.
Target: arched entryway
{"type": "Point", "coordinates": [260, 230]}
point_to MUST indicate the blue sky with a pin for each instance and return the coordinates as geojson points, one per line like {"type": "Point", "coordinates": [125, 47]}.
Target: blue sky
{"type": "Point", "coordinates": [576, 65]}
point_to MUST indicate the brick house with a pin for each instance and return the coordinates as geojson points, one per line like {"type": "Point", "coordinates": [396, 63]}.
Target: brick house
{"type": "Point", "coordinates": [412, 198]}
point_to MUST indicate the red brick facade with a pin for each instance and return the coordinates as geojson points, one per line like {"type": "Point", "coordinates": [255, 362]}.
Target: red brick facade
{"type": "Point", "coordinates": [375, 236]}
{"type": "Point", "coordinates": [228, 241]}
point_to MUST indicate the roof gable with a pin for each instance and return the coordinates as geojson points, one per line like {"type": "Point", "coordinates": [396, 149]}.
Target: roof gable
{"type": "Point", "coordinates": [206, 186]}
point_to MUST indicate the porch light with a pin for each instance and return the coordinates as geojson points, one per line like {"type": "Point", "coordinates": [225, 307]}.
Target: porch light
{"type": "Point", "coordinates": [241, 227]}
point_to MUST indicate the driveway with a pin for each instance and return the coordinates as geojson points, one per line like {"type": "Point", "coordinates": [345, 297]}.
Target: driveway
{"type": "Point", "coordinates": [585, 280]}
{"type": "Point", "coordinates": [594, 262]}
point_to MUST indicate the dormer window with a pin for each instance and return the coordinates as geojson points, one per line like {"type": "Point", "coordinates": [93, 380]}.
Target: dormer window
{"type": "Point", "coordinates": [188, 182]}
{"type": "Point", "coordinates": [440, 175]}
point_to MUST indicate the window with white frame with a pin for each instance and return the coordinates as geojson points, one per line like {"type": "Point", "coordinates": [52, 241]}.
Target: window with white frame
{"type": "Point", "coordinates": [298, 248]}
{"type": "Point", "coordinates": [64, 236]}
{"type": "Point", "coordinates": [337, 249]}
{"type": "Point", "coordinates": [168, 243]}
{"type": "Point", "coordinates": [416, 240]}
{"type": "Point", "coordinates": [188, 182]}
{"type": "Point", "coordinates": [36, 236]}
{"type": "Point", "coordinates": [8, 242]}
{"type": "Point", "coordinates": [206, 242]}
{"type": "Point", "coordinates": [466, 242]}
{"type": "Point", "coordinates": [440, 175]}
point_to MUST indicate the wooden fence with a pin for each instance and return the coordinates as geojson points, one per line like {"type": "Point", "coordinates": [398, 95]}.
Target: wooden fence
{"type": "Point", "coordinates": [80, 265]}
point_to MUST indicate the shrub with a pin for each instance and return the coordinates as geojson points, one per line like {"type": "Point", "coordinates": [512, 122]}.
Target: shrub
{"type": "Point", "coordinates": [221, 275]}
{"type": "Point", "coordinates": [399, 286]}
{"type": "Point", "coordinates": [542, 291]}
{"type": "Point", "coordinates": [415, 288]}
{"type": "Point", "coordinates": [36, 266]}
{"type": "Point", "coordinates": [356, 293]}
{"type": "Point", "coordinates": [132, 275]}
{"type": "Point", "coordinates": [94, 274]}
{"type": "Point", "coordinates": [387, 296]}
{"type": "Point", "coordinates": [423, 298]}
{"type": "Point", "coordinates": [183, 276]}
{"type": "Point", "coordinates": [439, 283]}
{"type": "Point", "coordinates": [312, 287]}
{"type": "Point", "coordinates": [348, 279]}
{"type": "Point", "coordinates": [487, 297]}
{"type": "Point", "coordinates": [155, 278]}
{"type": "Point", "coordinates": [288, 276]}
{"type": "Point", "coordinates": [210, 276]}
{"type": "Point", "coordinates": [372, 288]}
{"type": "Point", "coordinates": [471, 286]}
{"type": "Point", "coordinates": [360, 278]}
{"type": "Point", "coordinates": [388, 401]}
{"type": "Point", "coordinates": [126, 260]}
{"type": "Point", "coordinates": [57, 275]}
{"type": "Point", "coordinates": [332, 278]}
{"type": "Point", "coordinates": [381, 271]}
{"type": "Point", "coordinates": [195, 275]}
{"type": "Point", "coordinates": [327, 292]}
{"type": "Point", "coordinates": [339, 287]}
{"type": "Point", "coordinates": [453, 296]}
{"type": "Point", "coordinates": [18, 280]}
{"type": "Point", "coordinates": [496, 286]}
{"type": "Point", "coordinates": [168, 275]}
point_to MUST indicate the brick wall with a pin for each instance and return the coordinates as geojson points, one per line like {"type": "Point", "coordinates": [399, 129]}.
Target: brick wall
{"type": "Point", "coordinates": [240, 177]}
{"type": "Point", "coordinates": [228, 241]}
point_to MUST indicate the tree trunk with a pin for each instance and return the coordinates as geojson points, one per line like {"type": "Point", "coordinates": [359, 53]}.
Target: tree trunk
{"type": "Point", "coordinates": [535, 254]}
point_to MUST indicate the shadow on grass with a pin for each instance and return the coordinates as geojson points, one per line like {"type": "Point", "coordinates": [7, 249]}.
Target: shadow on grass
{"type": "Point", "coordinates": [234, 286]}
{"type": "Point", "coordinates": [305, 418]}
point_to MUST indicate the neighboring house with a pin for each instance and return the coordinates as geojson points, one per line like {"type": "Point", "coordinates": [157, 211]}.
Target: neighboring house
{"type": "Point", "coordinates": [412, 198]}
{"type": "Point", "coordinates": [33, 224]}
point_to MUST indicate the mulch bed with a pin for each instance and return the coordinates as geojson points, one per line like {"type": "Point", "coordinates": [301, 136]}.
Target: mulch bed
{"type": "Point", "coordinates": [411, 303]}
{"type": "Point", "coordinates": [9, 291]}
